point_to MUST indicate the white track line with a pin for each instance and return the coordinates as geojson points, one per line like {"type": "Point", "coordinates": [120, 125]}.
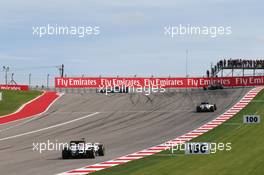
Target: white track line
{"type": "Point", "coordinates": [50, 127]}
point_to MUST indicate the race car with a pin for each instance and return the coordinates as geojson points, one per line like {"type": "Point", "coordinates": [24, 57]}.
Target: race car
{"type": "Point", "coordinates": [214, 86]}
{"type": "Point", "coordinates": [206, 107]}
{"type": "Point", "coordinates": [81, 149]}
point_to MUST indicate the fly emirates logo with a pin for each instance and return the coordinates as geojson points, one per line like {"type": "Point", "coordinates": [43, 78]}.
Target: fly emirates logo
{"type": "Point", "coordinates": [250, 81]}
{"type": "Point", "coordinates": [75, 82]}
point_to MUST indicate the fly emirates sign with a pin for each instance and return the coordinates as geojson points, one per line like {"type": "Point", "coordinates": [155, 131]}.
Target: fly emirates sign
{"type": "Point", "coordinates": [172, 82]}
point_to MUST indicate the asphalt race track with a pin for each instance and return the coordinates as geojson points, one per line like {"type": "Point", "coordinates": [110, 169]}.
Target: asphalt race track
{"type": "Point", "coordinates": [125, 123]}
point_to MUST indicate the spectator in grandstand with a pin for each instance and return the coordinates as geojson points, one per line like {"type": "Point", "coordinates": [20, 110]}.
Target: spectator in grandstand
{"type": "Point", "coordinates": [207, 73]}
{"type": "Point", "coordinates": [240, 63]}
{"type": "Point", "coordinates": [237, 64]}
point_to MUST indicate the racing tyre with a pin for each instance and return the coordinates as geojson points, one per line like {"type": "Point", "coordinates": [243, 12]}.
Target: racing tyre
{"type": "Point", "coordinates": [66, 153]}
{"type": "Point", "coordinates": [90, 154]}
{"type": "Point", "coordinates": [101, 150]}
{"type": "Point", "coordinates": [198, 109]}
{"type": "Point", "coordinates": [215, 108]}
{"type": "Point", "coordinates": [211, 109]}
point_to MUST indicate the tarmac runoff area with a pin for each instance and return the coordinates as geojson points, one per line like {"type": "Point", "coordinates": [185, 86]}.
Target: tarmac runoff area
{"type": "Point", "coordinates": [124, 123]}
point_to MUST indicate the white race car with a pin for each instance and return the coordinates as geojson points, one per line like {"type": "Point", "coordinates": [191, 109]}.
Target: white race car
{"type": "Point", "coordinates": [206, 107]}
{"type": "Point", "coordinates": [81, 149]}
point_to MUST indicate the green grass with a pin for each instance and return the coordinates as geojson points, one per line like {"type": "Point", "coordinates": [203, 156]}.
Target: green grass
{"type": "Point", "coordinates": [245, 158]}
{"type": "Point", "coordinates": [12, 100]}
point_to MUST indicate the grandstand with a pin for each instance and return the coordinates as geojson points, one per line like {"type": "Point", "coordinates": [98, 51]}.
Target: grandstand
{"type": "Point", "coordinates": [238, 65]}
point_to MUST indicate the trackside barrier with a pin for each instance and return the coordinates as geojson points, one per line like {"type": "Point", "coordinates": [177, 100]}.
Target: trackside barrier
{"type": "Point", "coordinates": [172, 82]}
{"type": "Point", "coordinates": [14, 87]}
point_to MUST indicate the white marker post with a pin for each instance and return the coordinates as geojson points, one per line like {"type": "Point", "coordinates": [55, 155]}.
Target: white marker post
{"type": "Point", "coordinates": [251, 119]}
{"type": "Point", "coordinates": [197, 148]}
{"type": "Point", "coordinates": [1, 96]}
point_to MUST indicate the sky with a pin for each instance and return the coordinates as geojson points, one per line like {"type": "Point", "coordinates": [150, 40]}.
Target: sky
{"type": "Point", "coordinates": [131, 40]}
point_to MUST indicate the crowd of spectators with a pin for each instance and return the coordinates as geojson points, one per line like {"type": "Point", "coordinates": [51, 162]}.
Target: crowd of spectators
{"type": "Point", "coordinates": [235, 64]}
